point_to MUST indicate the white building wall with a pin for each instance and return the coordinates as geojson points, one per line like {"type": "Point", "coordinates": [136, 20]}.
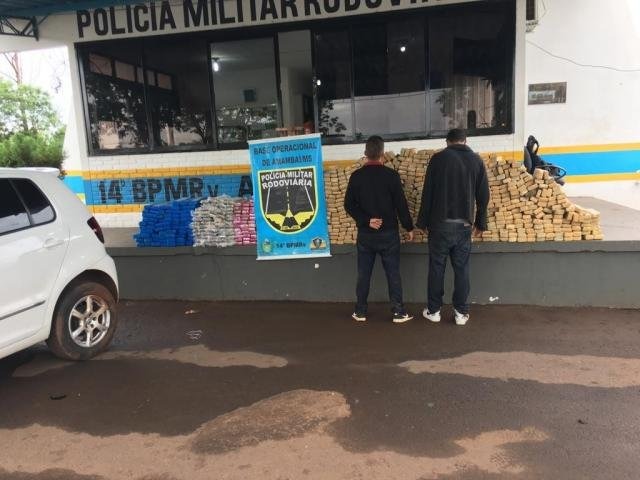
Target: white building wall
{"type": "Point", "coordinates": [594, 46]}
{"type": "Point", "coordinates": [603, 100]}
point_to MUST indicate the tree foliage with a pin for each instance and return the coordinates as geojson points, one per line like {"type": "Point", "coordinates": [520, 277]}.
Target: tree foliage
{"type": "Point", "coordinates": [32, 150]}
{"type": "Point", "coordinates": [26, 109]}
{"type": "Point", "coordinates": [30, 132]}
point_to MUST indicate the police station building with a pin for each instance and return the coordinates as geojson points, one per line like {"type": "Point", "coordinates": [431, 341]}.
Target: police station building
{"type": "Point", "coordinates": [167, 93]}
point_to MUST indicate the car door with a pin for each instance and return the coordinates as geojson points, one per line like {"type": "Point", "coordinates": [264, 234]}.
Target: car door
{"type": "Point", "coordinates": [33, 242]}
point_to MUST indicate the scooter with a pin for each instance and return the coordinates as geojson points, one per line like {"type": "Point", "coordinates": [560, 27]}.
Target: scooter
{"type": "Point", "coordinates": [532, 161]}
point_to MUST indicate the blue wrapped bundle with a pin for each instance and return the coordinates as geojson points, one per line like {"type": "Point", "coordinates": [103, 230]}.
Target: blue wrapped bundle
{"type": "Point", "coordinates": [167, 224]}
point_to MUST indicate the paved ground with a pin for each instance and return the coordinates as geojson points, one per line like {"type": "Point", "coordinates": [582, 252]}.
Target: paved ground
{"type": "Point", "coordinates": [298, 391]}
{"type": "Point", "coordinates": [617, 221]}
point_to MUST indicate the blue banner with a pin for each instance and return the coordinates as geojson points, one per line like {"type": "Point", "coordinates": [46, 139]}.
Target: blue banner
{"type": "Point", "coordinates": [289, 200]}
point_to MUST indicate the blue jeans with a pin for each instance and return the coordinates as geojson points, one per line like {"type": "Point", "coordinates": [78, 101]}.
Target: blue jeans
{"type": "Point", "coordinates": [387, 245]}
{"type": "Point", "coordinates": [449, 240]}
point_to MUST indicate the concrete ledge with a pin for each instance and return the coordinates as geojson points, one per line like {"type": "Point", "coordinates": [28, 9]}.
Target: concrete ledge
{"type": "Point", "coordinates": [550, 273]}
{"type": "Point", "coordinates": [408, 249]}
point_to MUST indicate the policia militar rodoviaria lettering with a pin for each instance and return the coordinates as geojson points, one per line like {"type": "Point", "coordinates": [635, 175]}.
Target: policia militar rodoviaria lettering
{"type": "Point", "coordinates": [162, 16]}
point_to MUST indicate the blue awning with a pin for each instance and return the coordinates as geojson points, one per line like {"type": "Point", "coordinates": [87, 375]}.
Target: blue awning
{"type": "Point", "coordinates": [22, 18]}
{"type": "Point", "coordinates": [35, 8]}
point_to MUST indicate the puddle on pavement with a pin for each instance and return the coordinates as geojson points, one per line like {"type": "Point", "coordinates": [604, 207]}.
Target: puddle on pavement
{"type": "Point", "coordinates": [583, 370]}
{"type": "Point", "coordinates": [201, 356]}
{"type": "Point", "coordinates": [198, 355]}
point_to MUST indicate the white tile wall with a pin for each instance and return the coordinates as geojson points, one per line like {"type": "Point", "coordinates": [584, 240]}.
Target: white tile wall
{"type": "Point", "coordinates": [241, 157]}
{"type": "Point", "coordinates": [165, 160]}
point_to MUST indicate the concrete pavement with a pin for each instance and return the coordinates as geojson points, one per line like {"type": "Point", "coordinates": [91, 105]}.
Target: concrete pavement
{"type": "Point", "coordinates": [261, 390]}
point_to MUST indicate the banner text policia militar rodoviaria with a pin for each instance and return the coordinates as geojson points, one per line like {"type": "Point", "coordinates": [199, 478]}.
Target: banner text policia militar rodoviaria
{"type": "Point", "coordinates": [289, 200]}
{"type": "Point", "coordinates": [180, 16]}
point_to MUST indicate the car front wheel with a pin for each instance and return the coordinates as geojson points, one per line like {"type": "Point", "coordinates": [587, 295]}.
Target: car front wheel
{"type": "Point", "coordinates": [84, 322]}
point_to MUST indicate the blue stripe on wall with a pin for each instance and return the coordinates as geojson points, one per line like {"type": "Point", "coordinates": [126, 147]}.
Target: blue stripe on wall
{"type": "Point", "coordinates": [75, 183]}
{"type": "Point", "coordinates": [595, 163]}
{"type": "Point", "coordinates": [122, 191]}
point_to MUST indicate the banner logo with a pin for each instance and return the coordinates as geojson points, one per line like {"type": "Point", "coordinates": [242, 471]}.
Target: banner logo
{"type": "Point", "coordinates": [290, 205]}
{"type": "Point", "coordinates": [288, 198]}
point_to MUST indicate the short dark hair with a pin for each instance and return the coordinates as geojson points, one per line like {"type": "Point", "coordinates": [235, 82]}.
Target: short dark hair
{"type": "Point", "coordinates": [374, 147]}
{"type": "Point", "coordinates": [456, 135]}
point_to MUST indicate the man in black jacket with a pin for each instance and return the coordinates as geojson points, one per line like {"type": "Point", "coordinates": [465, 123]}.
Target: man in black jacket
{"type": "Point", "coordinates": [375, 200]}
{"type": "Point", "coordinates": [456, 185]}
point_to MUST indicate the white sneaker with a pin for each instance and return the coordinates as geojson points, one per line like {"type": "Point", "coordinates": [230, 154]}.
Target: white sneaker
{"type": "Point", "coordinates": [401, 317]}
{"type": "Point", "coordinates": [359, 317]}
{"type": "Point", "coordinates": [432, 317]}
{"type": "Point", "coordinates": [461, 318]}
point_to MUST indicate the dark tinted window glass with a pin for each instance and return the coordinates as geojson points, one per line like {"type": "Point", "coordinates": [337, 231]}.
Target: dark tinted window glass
{"type": "Point", "coordinates": [39, 208]}
{"type": "Point", "coordinates": [333, 64]}
{"type": "Point", "coordinates": [333, 85]}
{"type": "Point", "coordinates": [389, 74]}
{"type": "Point", "coordinates": [179, 92]}
{"type": "Point", "coordinates": [13, 216]}
{"type": "Point", "coordinates": [370, 59]}
{"type": "Point", "coordinates": [115, 95]}
{"type": "Point", "coordinates": [471, 57]}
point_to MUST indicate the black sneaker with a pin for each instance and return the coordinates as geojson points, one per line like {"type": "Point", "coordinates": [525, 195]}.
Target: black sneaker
{"type": "Point", "coordinates": [401, 317]}
{"type": "Point", "coordinates": [359, 317]}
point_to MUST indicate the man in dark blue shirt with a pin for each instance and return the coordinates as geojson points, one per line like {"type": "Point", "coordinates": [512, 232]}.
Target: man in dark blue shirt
{"type": "Point", "coordinates": [455, 186]}
{"type": "Point", "coordinates": [376, 201]}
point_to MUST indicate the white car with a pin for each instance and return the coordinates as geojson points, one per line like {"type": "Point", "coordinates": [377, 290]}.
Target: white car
{"type": "Point", "coordinates": [57, 282]}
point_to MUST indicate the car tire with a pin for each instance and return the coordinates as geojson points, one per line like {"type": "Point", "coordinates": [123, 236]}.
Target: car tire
{"type": "Point", "coordinates": [84, 322]}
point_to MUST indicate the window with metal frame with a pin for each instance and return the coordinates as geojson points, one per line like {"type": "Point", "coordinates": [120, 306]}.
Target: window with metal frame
{"type": "Point", "coordinates": [115, 103]}
{"type": "Point", "coordinates": [245, 83]}
{"type": "Point", "coordinates": [403, 75]}
{"type": "Point", "coordinates": [417, 76]}
{"type": "Point", "coordinates": [471, 70]}
{"type": "Point", "coordinates": [179, 96]}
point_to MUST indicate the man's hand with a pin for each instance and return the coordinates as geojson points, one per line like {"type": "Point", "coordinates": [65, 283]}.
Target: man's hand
{"type": "Point", "coordinates": [476, 232]}
{"type": "Point", "coordinates": [410, 236]}
{"type": "Point", "coordinates": [375, 223]}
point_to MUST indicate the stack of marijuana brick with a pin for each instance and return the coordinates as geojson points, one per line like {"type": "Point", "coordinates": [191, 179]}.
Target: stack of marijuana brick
{"type": "Point", "coordinates": [224, 221]}
{"type": "Point", "coordinates": [523, 207]}
{"type": "Point", "coordinates": [167, 224]}
{"type": "Point", "coordinates": [342, 228]}
{"type": "Point", "coordinates": [533, 208]}
{"type": "Point", "coordinates": [411, 164]}
{"type": "Point", "coordinates": [244, 222]}
{"type": "Point", "coordinates": [412, 167]}
{"type": "Point", "coordinates": [213, 222]}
